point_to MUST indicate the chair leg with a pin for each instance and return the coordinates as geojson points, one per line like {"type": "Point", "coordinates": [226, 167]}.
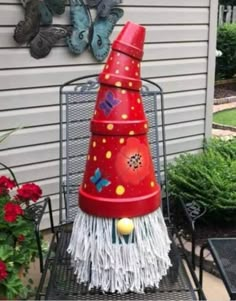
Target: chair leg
{"type": "Point", "coordinates": [204, 246]}
{"type": "Point", "coordinates": [50, 215]}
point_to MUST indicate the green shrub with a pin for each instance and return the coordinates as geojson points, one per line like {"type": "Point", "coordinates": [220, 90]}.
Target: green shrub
{"type": "Point", "coordinates": [226, 42]}
{"type": "Point", "coordinates": [227, 2]}
{"type": "Point", "coordinates": [208, 178]}
{"type": "Point", "coordinates": [227, 149]}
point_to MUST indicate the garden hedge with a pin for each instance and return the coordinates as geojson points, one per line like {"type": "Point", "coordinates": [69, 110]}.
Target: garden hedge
{"type": "Point", "coordinates": [228, 2]}
{"type": "Point", "coordinates": [207, 178]}
{"type": "Point", "coordinates": [226, 42]}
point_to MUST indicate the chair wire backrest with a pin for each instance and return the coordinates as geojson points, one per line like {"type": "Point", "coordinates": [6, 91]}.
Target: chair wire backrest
{"type": "Point", "coordinates": [77, 102]}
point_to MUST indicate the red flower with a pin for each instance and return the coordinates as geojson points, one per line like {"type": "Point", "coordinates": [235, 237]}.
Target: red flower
{"type": "Point", "coordinates": [5, 184]}
{"type": "Point", "coordinates": [12, 211]}
{"type": "Point", "coordinates": [21, 238]}
{"type": "Point", "coordinates": [29, 191]}
{"type": "Point", "coordinates": [3, 270]}
{"type": "Point", "coordinates": [133, 161]}
{"type": "Point", "coordinates": [3, 191]}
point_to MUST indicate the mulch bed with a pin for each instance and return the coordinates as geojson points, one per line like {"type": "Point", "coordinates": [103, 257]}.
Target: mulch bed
{"type": "Point", "coordinates": [210, 231]}
{"type": "Point", "coordinates": [225, 90]}
{"type": "Point", "coordinates": [207, 231]}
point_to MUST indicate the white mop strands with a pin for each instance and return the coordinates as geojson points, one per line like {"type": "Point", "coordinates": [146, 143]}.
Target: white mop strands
{"type": "Point", "coordinates": [110, 263]}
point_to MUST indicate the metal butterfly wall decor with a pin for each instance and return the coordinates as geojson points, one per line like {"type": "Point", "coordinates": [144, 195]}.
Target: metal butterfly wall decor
{"type": "Point", "coordinates": [91, 34]}
{"type": "Point", "coordinates": [103, 6]}
{"type": "Point", "coordinates": [40, 39]}
{"type": "Point", "coordinates": [48, 8]}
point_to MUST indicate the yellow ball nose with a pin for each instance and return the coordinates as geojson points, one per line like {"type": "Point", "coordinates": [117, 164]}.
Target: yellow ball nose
{"type": "Point", "coordinates": [125, 226]}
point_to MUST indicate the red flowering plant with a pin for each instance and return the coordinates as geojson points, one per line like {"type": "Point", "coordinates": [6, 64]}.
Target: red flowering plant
{"type": "Point", "coordinates": [18, 246]}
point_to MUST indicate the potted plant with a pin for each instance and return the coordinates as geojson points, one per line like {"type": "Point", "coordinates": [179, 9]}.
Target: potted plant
{"type": "Point", "coordinates": [18, 245]}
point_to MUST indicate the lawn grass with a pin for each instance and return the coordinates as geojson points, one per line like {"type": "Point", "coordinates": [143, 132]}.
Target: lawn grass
{"type": "Point", "coordinates": [227, 117]}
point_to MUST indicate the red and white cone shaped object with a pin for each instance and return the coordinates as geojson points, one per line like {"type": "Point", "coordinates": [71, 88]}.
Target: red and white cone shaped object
{"type": "Point", "coordinates": [109, 253]}
{"type": "Point", "coordinates": [119, 179]}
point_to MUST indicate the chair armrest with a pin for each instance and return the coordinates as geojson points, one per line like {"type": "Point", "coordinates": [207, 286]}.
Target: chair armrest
{"type": "Point", "coordinates": [36, 212]}
{"type": "Point", "coordinates": [193, 212]}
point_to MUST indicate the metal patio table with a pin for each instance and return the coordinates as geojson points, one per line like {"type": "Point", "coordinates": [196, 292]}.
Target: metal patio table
{"type": "Point", "coordinates": [223, 251]}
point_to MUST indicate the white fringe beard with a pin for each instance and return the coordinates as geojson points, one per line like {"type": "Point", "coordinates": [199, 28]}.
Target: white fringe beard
{"type": "Point", "coordinates": [103, 259]}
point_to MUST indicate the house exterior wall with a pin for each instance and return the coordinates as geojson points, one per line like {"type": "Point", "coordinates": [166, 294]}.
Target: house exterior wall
{"type": "Point", "coordinates": [179, 55]}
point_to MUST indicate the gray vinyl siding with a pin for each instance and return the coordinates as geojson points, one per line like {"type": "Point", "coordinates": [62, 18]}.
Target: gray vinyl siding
{"type": "Point", "coordinates": [179, 55]}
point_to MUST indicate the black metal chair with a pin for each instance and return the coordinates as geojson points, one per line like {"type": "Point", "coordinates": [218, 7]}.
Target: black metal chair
{"type": "Point", "coordinates": [77, 99]}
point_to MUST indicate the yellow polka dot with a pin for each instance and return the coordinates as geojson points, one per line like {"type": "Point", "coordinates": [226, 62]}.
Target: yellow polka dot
{"type": "Point", "coordinates": [118, 84]}
{"type": "Point", "coordinates": [110, 126]}
{"type": "Point", "coordinates": [94, 158]}
{"type": "Point", "coordinates": [138, 100]}
{"type": "Point", "coordinates": [117, 71]}
{"type": "Point", "coordinates": [132, 108]}
{"type": "Point", "coordinates": [107, 66]}
{"type": "Point", "coordinates": [94, 143]}
{"type": "Point", "coordinates": [123, 91]}
{"type": "Point", "coordinates": [120, 190]}
{"type": "Point", "coordinates": [152, 184]}
{"type": "Point", "coordinates": [127, 68]}
{"type": "Point", "coordinates": [131, 133]}
{"type": "Point", "coordinates": [108, 154]}
{"type": "Point", "coordinates": [130, 84]}
{"type": "Point", "coordinates": [88, 157]}
{"type": "Point", "coordinates": [107, 76]}
{"type": "Point", "coordinates": [145, 126]}
{"type": "Point", "coordinates": [122, 140]}
{"type": "Point", "coordinates": [124, 116]}
{"type": "Point", "coordinates": [104, 140]}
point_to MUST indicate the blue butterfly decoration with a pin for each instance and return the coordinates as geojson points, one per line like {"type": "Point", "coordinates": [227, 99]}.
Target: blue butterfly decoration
{"type": "Point", "coordinates": [98, 181]}
{"type": "Point", "coordinates": [103, 6]}
{"type": "Point", "coordinates": [86, 33]}
{"type": "Point", "coordinates": [49, 8]}
{"type": "Point", "coordinates": [108, 103]}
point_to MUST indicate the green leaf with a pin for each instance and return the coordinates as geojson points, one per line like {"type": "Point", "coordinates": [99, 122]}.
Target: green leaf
{"type": "Point", "coordinates": [3, 236]}
{"type": "Point", "coordinates": [6, 252]}
{"type": "Point", "coordinates": [15, 287]}
{"type": "Point", "coordinates": [6, 135]}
